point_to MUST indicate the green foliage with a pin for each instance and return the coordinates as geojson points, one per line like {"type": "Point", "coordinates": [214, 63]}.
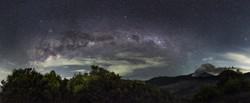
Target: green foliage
{"type": "Point", "coordinates": [53, 84]}
{"type": "Point", "coordinates": [53, 80]}
{"type": "Point", "coordinates": [27, 86]}
{"type": "Point", "coordinates": [78, 82]}
{"type": "Point", "coordinates": [234, 86]}
{"type": "Point", "coordinates": [227, 75]}
{"type": "Point", "coordinates": [207, 93]}
{"type": "Point", "coordinates": [97, 86]}
{"type": "Point", "coordinates": [230, 82]}
{"type": "Point", "coordinates": [101, 73]}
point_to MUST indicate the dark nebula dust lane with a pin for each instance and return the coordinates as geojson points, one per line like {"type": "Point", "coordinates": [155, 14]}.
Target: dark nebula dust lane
{"type": "Point", "coordinates": [137, 39]}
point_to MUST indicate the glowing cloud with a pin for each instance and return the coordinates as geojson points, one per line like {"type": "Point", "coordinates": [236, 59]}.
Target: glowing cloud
{"type": "Point", "coordinates": [123, 63]}
{"type": "Point", "coordinates": [238, 57]}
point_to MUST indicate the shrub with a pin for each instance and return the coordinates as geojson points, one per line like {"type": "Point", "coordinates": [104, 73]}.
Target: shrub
{"type": "Point", "coordinates": [98, 86]}
{"type": "Point", "coordinates": [207, 93]}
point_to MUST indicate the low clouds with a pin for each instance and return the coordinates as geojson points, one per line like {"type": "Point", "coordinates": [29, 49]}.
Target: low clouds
{"type": "Point", "coordinates": [6, 68]}
{"type": "Point", "coordinates": [242, 58]}
{"type": "Point", "coordinates": [239, 59]}
{"type": "Point", "coordinates": [208, 59]}
{"type": "Point", "coordinates": [4, 73]}
{"type": "Point", "coordinates": [123, 63]}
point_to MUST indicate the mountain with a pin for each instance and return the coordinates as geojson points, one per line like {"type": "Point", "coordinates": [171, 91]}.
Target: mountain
{"type": "Point", "coordinates": [185, 85]}
{"type": "Point", "coordinates": [188, 85]}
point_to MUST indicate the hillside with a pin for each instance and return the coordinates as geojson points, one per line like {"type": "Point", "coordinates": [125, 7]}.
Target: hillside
{"type": "Point", "coordinates": [102, 86]}
{"type": "Point", "coordinates": [183, 85]}
{"type": "Point", "coordinates": [229, 86]}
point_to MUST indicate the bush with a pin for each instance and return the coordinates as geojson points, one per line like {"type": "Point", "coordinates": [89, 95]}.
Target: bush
{"type": "Point", "coordinates": [230, 82]}
{"type": "Point", "coordinates": [234, 86]}
{"type": "Point", "coordinates": [227, 75]}
{"type": "Point", "coordinates": [207, 93]}
{"type": "Point", "coordinates": [98, 86]}
{"type": "Point", "coordinates": [24, 86]}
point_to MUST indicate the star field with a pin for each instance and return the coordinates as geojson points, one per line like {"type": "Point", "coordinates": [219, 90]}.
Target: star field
{"type": "Point", "coordinates": [136, 38]}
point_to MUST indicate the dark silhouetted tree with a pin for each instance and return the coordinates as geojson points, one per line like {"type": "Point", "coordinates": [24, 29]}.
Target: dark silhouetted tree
{"type": "Point", "coordinates": [97, 86]}
{"type": "Point", "coordinates": [24, 86]}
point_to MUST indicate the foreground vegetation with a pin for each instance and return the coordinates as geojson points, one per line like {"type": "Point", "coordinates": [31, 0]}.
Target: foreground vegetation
{"type": "Point", "coordinates": [102, 86]}
{"type": "Point", "coordinates": [232, 87]}
{"type": "Point", "coordinates": [98, 86]}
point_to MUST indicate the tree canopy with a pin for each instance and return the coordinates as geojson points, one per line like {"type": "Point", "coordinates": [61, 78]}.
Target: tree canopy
{"type": "Point", "coordinates": [97, 86]}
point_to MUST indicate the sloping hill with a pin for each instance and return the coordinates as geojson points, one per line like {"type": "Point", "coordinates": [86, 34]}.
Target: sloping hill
{"type": "Point", "coordinates": [183, 85]}
{"type": "Point", "coordinates": [188, 85]}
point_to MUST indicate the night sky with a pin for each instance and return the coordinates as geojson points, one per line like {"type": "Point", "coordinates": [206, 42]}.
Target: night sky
{"type": "Point", "coordinates": [139, 39]}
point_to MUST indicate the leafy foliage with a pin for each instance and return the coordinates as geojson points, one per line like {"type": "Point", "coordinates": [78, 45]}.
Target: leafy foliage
{"type": "Point", "coordinates": [207, 93]}
{"type": "Point", "coordinates": [230, 83]}
{"type": "Point", "coordinates": [24, 86]}
{"type": "Point", "coordinates": [98, 86]}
